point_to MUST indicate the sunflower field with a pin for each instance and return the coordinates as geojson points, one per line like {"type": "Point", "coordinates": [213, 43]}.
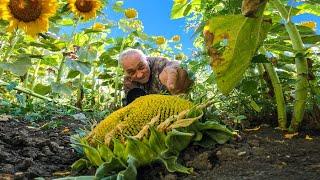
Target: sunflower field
{"type": "Point", "coordinates": [253, 110]}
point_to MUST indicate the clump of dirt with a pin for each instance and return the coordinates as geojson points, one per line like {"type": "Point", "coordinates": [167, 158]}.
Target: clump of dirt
{"type": "Point", "coordinates": [27, 152]}
{"type": "Point", "coordinates": [264, 153]}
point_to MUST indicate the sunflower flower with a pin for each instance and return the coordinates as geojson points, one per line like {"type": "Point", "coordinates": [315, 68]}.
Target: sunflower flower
{"type": "Point", "coordinates": [85, 8]}
{"type": "Point", "coordinates": [32, 16]}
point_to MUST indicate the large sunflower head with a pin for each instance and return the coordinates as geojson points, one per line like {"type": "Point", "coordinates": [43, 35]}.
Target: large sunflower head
{"type": "Point", "coordinates": [85, 8]}
{"type": "Point", "coordinates": [32, 16]}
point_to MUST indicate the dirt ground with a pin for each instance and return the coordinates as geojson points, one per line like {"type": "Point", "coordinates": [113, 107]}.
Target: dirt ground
{"type": "Point", "coordinates": [26, 153]}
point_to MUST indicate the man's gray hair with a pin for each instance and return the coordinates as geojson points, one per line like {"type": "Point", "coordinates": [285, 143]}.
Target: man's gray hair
{"type": "Point", "coordinates": [129, 52]}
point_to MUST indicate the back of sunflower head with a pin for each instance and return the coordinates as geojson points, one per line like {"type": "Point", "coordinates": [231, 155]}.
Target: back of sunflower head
{"type": "Point", "coordinates": [129, 120]}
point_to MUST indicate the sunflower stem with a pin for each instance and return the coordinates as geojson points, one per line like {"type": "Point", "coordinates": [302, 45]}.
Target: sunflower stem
{"type": "Point", "coordinates": [117, 78]}
{"type": "Point", "coordinates": [35, 75]}
{"type": "Point", "coordinates": [301, 86]}
{"type": "Point", "coordinates": [61, 66]}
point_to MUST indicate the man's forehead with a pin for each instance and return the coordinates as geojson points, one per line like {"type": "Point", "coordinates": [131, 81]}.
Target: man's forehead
{"type": "Point", "coordinates": [132, 60]}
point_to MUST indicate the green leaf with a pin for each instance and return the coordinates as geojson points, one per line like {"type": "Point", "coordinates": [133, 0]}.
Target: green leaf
{"type": "Point", "coordinates": [61, 89]}
{"type": "Point", "coordinates": [79, 164]}
{"type": "Point", "coordinates": [108, 168]}
{"type": "Point", "coordinates": [131, 172]}
{"type": "Point", "coordinates": [181, 9]}
{"type": "Point", "coordinates": [255, 106]}
{"type": "Point", "coordinates": [42, 89]}
{"type": "Point", "coordinates": [92, 154]}
{"type": "Point", "coordinates": [72, 74]}
{"type": "Point", "coordinates": [187, 10]}
{"type": "Point", "coordinates": [66, 22]}
{"type": "Point", "coordinates": [237, 38]}
{"type": "Point", "coordinates": [119, 150]}
{"type": "Point", "coordinates": [249, 87]}
{"type": "Point", "coordinates": [11, 85]}
{"type": "Point", "coordinates": [157, 141]}
{"type": "Point", "coordinates": [260, 59]}
{"type": "Point", "coordinates": [105, 153]}
{"type": "Point", "coordinates": [214, 125]}
{"type": "Point", "coordinates": [219, 136]}
{"type": "Point", "coordinates": [18, 67]}
{"type": "Point", "coordinates": [140, 151]}
{"type": "Point", "coordinates": [83, 67]}
{"type": "Point", "coordinates": [176, 141]}
{"type": "Point", "coordinates": [308, 8]}
{"type": "Point", "coordinates": [108, 60]}
{"type": "Point", "coordinates": [117, 7]}
{"type": "Point", "coordinates": [178, 9]}
{"type": "Point", "coordinates": [172, 165]}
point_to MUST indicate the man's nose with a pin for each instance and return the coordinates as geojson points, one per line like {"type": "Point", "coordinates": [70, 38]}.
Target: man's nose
{"type": "Point", "coordinates": [139, 74]}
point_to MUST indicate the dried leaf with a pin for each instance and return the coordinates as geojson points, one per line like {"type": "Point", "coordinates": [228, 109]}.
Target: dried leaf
{"type": "Point", "coordinates": [308, 138]}
{"type": "Point", "coordinates": [290, 136]}
{"type": "Point", "coordinates": [253, 129]}
{"type": "Point", "coordinates": [5, 117]}
{"type": "Point", "coordinates": [65, 130]}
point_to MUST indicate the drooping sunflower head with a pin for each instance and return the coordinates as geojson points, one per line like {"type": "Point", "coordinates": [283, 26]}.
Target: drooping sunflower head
{"type": "Point", "coordinates": [85, 8]}
{"type": "Point", "coordinates": [32, 16]}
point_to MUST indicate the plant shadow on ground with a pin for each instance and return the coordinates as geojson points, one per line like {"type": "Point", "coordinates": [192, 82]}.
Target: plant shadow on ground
{"type": "Point", "coordinates": [27, 153]}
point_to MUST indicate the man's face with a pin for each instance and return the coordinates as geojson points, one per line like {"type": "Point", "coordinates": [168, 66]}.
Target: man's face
{"type": "Point", "coordinates": [136, 68]}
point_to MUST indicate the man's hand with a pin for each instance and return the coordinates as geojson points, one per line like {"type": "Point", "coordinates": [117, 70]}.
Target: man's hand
{"type": "Point", "coordinates": [175, 79]}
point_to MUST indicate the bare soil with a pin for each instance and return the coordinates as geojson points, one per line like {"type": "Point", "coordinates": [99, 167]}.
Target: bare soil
{"type": "Point", "coordinates": [260, 154]}
{"type": "Point", "coordinates": [26, 153]}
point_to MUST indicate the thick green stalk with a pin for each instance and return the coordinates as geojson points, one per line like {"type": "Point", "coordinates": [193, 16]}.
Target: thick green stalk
{"type": "Point", "coordinates": [93, 83]}
{"type": "Point", "coordinates": [117, 78]}
{"type": "Point", "coordinates": [301, 66]}
{"type": "Point", "coordinates": [35, 75]}
{"type": "Point", "coordinates": [281, 105]}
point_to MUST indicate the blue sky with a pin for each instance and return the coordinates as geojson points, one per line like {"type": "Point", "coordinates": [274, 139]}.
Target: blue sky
{"type": "Point", "coordinates": [155, 16]}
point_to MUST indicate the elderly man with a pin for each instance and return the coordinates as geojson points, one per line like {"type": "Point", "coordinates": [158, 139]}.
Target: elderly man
{"type": "Point", "coordinates": [152, 74]}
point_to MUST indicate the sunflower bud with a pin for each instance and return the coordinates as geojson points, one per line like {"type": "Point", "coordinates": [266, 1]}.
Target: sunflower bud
{"type": "Point", "coordinates": [160, 40]}
{"type": "Point", "coordinates": [176, 38]}
{"type": "Point", "coordinates": [131, 13]}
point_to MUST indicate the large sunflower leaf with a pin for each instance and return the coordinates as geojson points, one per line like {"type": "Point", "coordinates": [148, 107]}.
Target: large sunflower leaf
{"type": "Point", "coordinates": [176, 141]}
{"type": "Point", "coordinates": [309, 8]}
{"type": "Point", "coordinates": [172, 165]}
{"type": "Point", "coordinates": [18, 67]}
{"type": "Point", "coordinates": [236, 39]}
{"type": "Point", "coordinates": [131, 172]}
{"type": "Point", "coordinates": [42, 89]}
{"type": "Point", "coordinates": [83, 67]}
{"type": "Point", "coordinates": [219, 136]}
